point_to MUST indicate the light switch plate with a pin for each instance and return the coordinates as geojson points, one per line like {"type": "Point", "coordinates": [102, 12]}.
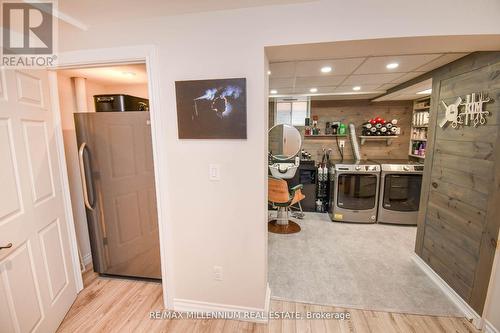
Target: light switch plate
{"type": "Point", "coordinates": [218, 273]}
{"type": "Point", "coordinates": [214, 172]}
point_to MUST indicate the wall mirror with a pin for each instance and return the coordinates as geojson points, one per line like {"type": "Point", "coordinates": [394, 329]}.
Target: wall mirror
{"type": "Point", "coordinates": [285, 142]}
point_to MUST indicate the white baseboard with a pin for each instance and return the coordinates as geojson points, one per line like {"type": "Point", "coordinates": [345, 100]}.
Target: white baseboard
{"type": "Point", "coordinates": [466, 309]}
{"type": "Point", "coordinates": [87, 259]}
{"type": "Point", "coordinates": [185, 305]}
{"type": "Point", "coordinates": [267, 306]}
{"type": "Point", "coordinates": [489, 328]}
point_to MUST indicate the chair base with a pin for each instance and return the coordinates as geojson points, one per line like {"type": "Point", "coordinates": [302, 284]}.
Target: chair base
{"type": "Point", "coordinates": [290, 228]}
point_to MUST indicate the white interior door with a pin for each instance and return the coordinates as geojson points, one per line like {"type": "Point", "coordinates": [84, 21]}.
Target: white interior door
{"type": "Point", "coordinates": [37, 285]}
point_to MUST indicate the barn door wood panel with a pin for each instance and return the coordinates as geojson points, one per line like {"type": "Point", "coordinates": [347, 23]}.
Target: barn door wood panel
{"type": "Point", "coordinates": [458, 225]}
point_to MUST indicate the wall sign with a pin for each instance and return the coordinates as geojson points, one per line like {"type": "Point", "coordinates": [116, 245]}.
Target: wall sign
{"type": "Point", "coordinates": [466, 113]}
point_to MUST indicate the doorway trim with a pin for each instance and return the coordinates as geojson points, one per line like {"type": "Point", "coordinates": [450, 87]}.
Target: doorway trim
{"type": "Point", "coordinates": [101, 57]}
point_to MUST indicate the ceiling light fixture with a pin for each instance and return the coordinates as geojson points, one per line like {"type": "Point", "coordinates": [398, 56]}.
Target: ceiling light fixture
{"type": "Point", "coordinates": [273, 91]}
{"type": "Point", "coordinates": [326, 69]}
{"type": "Point", "coordinates": [356, 88]}
{"type": "Point", "coordinates": [313, 90]}
{"type": "Point", "coordinates": [425, 92]}
{"type": "Point", "coordinates": [392, 65]}
{"type": "Point", "coordinates": [268, 72]}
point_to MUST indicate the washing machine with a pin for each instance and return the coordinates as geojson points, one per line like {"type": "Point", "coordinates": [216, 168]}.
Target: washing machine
{"type": "Point", "coordinates": [355, 191]}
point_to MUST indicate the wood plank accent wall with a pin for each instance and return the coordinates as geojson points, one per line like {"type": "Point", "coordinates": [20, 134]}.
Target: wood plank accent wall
{"type": "Point", "coordinates": [358, 112]}
{"type": "Point", "coordinates": [460, 216]}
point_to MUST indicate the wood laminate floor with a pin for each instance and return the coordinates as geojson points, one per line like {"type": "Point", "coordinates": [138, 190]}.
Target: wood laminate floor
{"type": "Point", "coordinates": [119, 305]}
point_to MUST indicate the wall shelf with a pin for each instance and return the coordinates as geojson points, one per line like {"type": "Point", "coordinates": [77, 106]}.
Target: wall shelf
{"type": "Point", "coordinates": [326, 136]}
{"type": "Point", "coordinates": [421, 112]}
{"type": "Point", "coordinates": [388, 139]}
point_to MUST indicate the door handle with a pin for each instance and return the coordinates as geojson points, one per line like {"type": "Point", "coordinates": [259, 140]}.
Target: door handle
{"type": "Point", "coordinates": [83, 177]}
{"type": "Point", "coordinates": [8, 246]}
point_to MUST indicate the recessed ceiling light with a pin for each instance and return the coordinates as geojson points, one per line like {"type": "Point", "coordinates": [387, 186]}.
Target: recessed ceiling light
{"type": "Point", "coordinates": [273, 91]}
{"type": "Point", "coordinates": [313, 90]}
{"type": "Point", "coordinates": [425, 92]}
{"type": "Point", "coordinates": [392, 65]}
{"type": "Point", "coordinates": [268, 72]}
{"type": "Point", "coordinates": [326, 69]}
{"type": "Point", "coordinates": [356, 88]}
{"type": "Point", "coordinates": [128, 73]}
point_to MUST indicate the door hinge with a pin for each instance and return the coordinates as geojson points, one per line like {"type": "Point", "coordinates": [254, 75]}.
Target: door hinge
{"type": "Point", "coordinates": [105, 241]}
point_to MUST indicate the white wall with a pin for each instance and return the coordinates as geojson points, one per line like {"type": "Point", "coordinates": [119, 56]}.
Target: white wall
{"type": "Point", "coordinates": [139, 90]}
{"type": "Point", "coordinates": [224, 223]}
{"type": "Point", "coordinates": [492, 308]}
{"type": "Point", "coordinates": [93, 88]}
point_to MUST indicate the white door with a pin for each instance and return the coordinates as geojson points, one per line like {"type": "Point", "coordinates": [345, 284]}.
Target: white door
{"type": "Point", "coordinates": [37, 284]}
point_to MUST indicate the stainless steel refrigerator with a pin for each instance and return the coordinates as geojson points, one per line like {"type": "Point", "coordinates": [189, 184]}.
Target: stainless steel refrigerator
{"type": "Point", "coordinates": [116, 166]}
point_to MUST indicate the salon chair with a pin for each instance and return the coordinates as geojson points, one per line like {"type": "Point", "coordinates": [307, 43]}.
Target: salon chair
{"type": "Point", "coordinates": [283, 198]}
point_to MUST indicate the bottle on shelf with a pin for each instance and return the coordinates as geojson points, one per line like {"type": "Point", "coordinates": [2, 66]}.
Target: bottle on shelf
{"type": "Point", "coordinates": [307, 130]}
{"type": "Point", "coordinates": [342, 129]}
{"type": "Point", "coordinates": [415, 148]}
{"type": "Point", "coordinates": [319, 206]}
{"type": "Point", "coordinates": [320, 173]}
{"type": "Point", "coordinates": [421, 149]}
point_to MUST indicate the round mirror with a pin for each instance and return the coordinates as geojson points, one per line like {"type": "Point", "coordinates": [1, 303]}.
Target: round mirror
{"type": "Point", "coordinates": [285, 142]}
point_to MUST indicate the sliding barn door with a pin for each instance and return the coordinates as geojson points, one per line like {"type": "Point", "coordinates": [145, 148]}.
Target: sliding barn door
{"type": "Point", "coordinates": [37, 285]}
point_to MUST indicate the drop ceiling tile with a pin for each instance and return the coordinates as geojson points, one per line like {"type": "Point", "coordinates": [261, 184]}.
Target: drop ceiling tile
{"type": "Point", "coordinates": [407, 63]}
{"type": "Point", "coordinates": [407, 77]}
{"type": "Point", "coordinates": [405, 97]}
{"type": "Point", "coordinates": [280, 83]}
{"type": "Point", "coordinates": [341, 96]}
{"type": "Point", "coordinates": [339, 67]}
{"type": "Point", "coordinates": [441, 61]}
{"type": "Point", "coordinates": [284, 91]}
{"type": "Point", "coordinates": [318, 81]}
{"type": "Point", "coordinates": [386, 86]}
{"type": "Point", "coordinates": [282, 69]}
{"type": "Point", "coordinates": [369, 79]}
{"type": "Point", "coordinates": [408, 93]}
{"type": "Point", "coordinates": [321, 90]}
{"type": "Point", "coordinates": [367, 88]}
{"type": "Point", "coordinates": [415, 88]}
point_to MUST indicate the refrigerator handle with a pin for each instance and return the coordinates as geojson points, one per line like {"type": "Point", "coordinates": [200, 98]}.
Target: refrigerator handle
{"type": "Point", "coordinates": [82, 176]}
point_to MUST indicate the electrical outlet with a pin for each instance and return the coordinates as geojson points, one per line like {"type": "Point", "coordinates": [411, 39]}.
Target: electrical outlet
{"type": "Point", "coordinates": [218, 273]}
{"type": "Point", "coordinates": [341, 143]}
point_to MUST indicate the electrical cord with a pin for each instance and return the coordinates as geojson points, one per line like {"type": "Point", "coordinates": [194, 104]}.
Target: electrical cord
{"type": "Point", "coordinates": [341, 150]}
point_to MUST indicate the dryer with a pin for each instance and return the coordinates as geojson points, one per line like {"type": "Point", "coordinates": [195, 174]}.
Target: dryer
{"type": "Point", "coordinates": [400, 185]}
{"type": "Point", "coordinates": [355, 191]}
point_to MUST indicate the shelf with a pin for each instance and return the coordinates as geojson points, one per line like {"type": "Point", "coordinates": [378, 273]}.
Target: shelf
{"type": "Point", "coordinates": [325, 136]}
{"type": "Point", "coordinates": [388, 139]}
{"type": "Point", "coordinates": [425, 108]}
{"type": "Point", "coordinates": [414, 139]}
{"type": "Point", "coordinates": [421, 126]}
{"type": "Point", "coordinates": [417, 156]}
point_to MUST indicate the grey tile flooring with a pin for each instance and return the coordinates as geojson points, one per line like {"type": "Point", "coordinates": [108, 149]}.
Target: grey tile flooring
{"type": "Point", "coordinates": [366, 266]}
